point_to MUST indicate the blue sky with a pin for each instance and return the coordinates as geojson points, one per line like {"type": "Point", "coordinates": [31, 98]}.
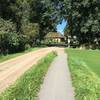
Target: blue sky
{"type": "Point", "coordinates": [60, 27]}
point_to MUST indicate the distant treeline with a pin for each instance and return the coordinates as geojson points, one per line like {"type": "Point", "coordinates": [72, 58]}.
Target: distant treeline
{"type": "Point", "coordinates": [24, 23]}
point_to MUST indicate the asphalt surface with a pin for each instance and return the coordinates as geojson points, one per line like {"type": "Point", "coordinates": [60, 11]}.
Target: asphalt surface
{"type": "Point", "coordinates": [57, 84]}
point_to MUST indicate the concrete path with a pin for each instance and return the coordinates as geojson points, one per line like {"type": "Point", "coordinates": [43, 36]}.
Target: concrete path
{"type": "Point", "coordinates": [57, 83]}
{"type": "Point", "coordinates": [12, 69]}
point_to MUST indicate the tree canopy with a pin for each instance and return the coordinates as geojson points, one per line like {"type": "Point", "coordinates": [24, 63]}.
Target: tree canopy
{"type": "Point", "coordinates": [84, 21]}
{"type": "Point", "coordinates": [33, 19]}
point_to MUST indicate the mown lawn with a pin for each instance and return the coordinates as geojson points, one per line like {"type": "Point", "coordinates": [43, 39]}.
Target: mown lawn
{"type": "Point", "coordinates": [28, 85]}
{"type": "Point", "coordinates": [89, 57]}
{"type": "Point", "coordinates": [10, 56]}
{"type": "Point", "coordinates": [85, 71]}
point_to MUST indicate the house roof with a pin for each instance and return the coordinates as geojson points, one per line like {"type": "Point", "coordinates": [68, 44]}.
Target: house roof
{"type": "Point", "coordinates": [54, 35]}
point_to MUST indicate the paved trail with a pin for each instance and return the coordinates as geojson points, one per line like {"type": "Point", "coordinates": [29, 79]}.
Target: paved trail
{"type": "Point", "coordinates": [57, 83]}
{"type": "Point", "coordinates": [12, 69]}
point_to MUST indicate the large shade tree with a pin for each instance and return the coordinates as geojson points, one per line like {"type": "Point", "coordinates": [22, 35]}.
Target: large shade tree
{"type": "Point", "coordinates": [83, 21]}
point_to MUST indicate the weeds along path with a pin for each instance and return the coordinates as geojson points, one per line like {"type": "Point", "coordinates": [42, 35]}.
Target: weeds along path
{"type": "Point", "coordinates": [12, 69]}
{"type": "Point", "coordinates": [57, 83]}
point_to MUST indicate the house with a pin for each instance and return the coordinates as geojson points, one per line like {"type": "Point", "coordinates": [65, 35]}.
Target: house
{"type": "Point", "coordinates": [55, 37]}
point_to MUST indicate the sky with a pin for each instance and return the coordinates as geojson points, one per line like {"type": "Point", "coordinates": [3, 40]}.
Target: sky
{"type": "Point", "coordinates": [60, 27]}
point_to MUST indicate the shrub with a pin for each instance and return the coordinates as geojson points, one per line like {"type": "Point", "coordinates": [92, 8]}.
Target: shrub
{"type": "Point", "coordinates": [31, 30]}
{"type": "Point", "coordinates": [8, 36]}
{"type": "Point", "coordinates": [7, 26]}
{"type": "Point", "coordinates": [23, 40]}
{"type": "Point", "coordinates": [27, 46]}
{"type": "Point", "coordinates": [10, 42]}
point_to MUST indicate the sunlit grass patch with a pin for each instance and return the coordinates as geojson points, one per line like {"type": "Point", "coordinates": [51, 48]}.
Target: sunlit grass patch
{"type": "Point", "coordinates": [85, 76]}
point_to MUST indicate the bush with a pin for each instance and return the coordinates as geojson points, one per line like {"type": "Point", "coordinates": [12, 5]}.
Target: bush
{"type": "Point", "coordinates": [23, 40]}
{"type": "Point", "coordinates": [27, 46]}
{"type": "Point", "coordinates": [8, 36]}
{"type": "Point", "coordinates": [7, 26]}
{"type": "Point", "coordinates": [12, 42]}
{"type": "Point", "coordinates": [31, 30]}
{"type": "Point", "coordinates": [9, 42]}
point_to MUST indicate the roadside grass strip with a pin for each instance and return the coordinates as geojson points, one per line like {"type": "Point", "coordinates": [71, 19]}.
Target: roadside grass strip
{"type": "Point", "coordinates": [86, 83]}
{"type": "Point", "coordinates": [28, 85]}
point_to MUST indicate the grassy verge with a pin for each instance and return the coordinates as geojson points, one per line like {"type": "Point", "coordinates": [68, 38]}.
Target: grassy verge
{"type": "Point", "coordinates": [28, 85]}
{"type": "Point", "coordinates": [84, 77]}
{"type": "Point", "coordinates": [10, 56]}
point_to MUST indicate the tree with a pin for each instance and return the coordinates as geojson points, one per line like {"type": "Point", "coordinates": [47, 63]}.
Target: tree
{"type": "Point", "coordinates": [84, 21]}
{"type": "Point", "coordinates": [38, 17]}
{"type": "Point", "coordinates": [8, 36]}
{"type": "Point", "coordinates": [44, 13]}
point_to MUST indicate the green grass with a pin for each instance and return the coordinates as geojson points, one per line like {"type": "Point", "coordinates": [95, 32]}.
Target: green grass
{"type": "Point", "coordinates": [85, 70]}
{"type": "Point", "coordinates": [10, 56]}
{"type": "Point", "coordinates": [89, 57]}
{"type": "Point", "coordinates": [28, 85]}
